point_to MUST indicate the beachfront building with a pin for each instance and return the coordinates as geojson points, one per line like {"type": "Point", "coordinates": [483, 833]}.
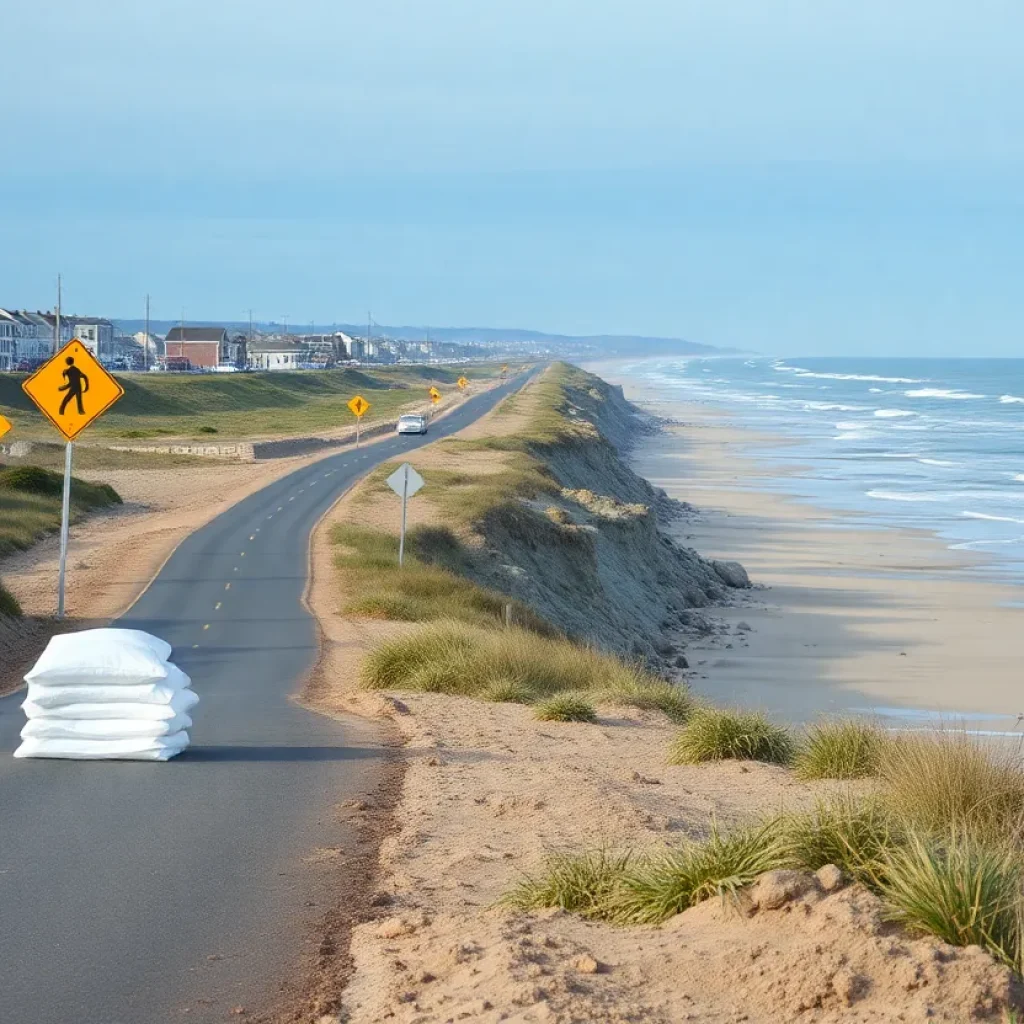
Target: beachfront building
{"type": "Point", "coordinates": [202, 348]}
{"type": "Point", "coordinates": [7, 350]}
{"type": "Point", "coordinates": [275, 354]}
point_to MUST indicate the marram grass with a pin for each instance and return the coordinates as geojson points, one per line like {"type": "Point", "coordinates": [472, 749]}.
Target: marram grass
{"type": "Point", "coordinates": [717, 735]}
{"type": "Point", "coordinates": [846, 749]}
{"type": "Point", "coordinates": [565, 707]}
{"type": "Point", "coordinates": [577, 882]}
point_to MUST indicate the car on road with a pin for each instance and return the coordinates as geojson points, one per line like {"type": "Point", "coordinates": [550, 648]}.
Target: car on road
{"type": "Point", "coordinates": [411, 424]}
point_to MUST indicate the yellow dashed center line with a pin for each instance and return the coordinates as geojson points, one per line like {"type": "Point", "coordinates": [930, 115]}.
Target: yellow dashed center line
{"type": "Point", "coordinates": [241, 554]}
{"type": "Point", "coordinates": [292, 498]}
{"type": "Point", "coordinates": [280, 508]}
{"type": "Point", "coordinates": [216, 607]}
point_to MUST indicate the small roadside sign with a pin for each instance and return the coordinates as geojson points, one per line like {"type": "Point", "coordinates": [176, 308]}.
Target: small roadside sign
{"type": "Point", "coordinates": [504, 370]}
{"type": "Point", "coordinates": [359, 406]}
{"type": "Point", "coordinates": [405, 482]}
{"type": "Point", "coordinates": [72, 389]}
{"type": "Point", "coordinates": [463, 382]}
{"type": "Point", "coordinates": [435, 395]}
{"type": "Point", "coordinates": [5, 425]}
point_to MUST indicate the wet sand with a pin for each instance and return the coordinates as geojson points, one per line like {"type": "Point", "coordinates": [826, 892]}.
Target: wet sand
{"type": "Point", "coordinates": [848, 615]}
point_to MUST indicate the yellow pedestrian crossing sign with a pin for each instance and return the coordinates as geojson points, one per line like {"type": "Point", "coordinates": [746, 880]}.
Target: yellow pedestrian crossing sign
{"type": "Point", "coordinates": [435, 395]}
{"type": "Point", "coordinates": [72, 389]}
{"type": "Point", "coordinates": [5, 425]}
{"type": "Point", "coordinates": [359, 406]}
{"type": "Point", "coordinates": [462, 382]}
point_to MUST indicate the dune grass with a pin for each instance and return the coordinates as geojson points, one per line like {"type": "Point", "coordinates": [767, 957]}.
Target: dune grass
{"type": "Point", "coordinates": [427, 587]}
{"type": "Point", "coordinates": [948, 781]}
{"type": "Point", "coordinates": [455, 658]}
{"type": "Point", "coordinates": [963, 890]}
{"type": "Point", "coordinates": [711, 734]}
{"type": "Point", "coordinates": [30, 504]}
{"type": "Point", "coordinates": [565, 707]}
{"type": "Point", "coordinates": [581, 883]}
{"type": "Point", "coordinates": [856, 834]}
{"type": "Point", "coordinates": [846, 749]}
{"type": "Point", "coordinates": [9, 603]}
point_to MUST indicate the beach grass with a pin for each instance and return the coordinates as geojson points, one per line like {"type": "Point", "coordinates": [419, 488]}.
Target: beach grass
{"type": "Point", "coordinates": [845, 749]}
{"type": "Point", "coordinates": [962, 890]}
{"type": "Point", "coordinates": [565, 707]}
{"type": "Point", "coordinates": [855, 833]}
{"type": "Point", "coordinates": [9, 603]}
{"type": "Point", "coordinates": [427, 587]}
{"type": "Point", "coordinates": [713, 734]}
{"type": "Point", "coordinates": [648, 693]}
{"type": "Point", "coordinates": [30, 504]}
{"type": "Point", "coordinates": [455, 658]}
{"type": "Point", "coordinates": [948, 781]}
{"type": "Point", "coordinates": [581, 883]}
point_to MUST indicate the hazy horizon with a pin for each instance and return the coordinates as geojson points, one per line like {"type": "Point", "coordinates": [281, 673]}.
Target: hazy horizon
{"type": "Point", "coordinates": [746, 174]}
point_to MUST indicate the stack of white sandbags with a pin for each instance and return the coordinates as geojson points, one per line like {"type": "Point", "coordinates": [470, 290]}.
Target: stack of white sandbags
{"type": "Point", "coordinates": [106, 693]}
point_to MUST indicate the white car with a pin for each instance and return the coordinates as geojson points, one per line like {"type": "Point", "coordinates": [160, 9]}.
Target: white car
{"type": "Point", "coordinates": [412, 424]}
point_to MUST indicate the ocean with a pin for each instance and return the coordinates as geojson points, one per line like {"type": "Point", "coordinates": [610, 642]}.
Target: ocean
{"type": "Point", "coordinates": [933, 444]}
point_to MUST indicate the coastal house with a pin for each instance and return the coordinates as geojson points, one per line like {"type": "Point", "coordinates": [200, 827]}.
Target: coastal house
{"type": "Point", "coordinates": [95, 333]}
{"type": "Point", "coordinates": [276, 354]}
{"type": "Point", "coordinates": [203, 348]}
{"type": "Point", "coordinates": [7, 350]}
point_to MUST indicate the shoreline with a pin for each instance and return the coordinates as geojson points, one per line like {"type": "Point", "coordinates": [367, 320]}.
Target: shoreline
{"type": "Point", "coordinates": [852, 616]}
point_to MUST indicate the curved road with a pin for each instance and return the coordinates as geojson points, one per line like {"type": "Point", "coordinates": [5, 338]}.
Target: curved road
{"type": "Point", "coordinates": [139, 893]}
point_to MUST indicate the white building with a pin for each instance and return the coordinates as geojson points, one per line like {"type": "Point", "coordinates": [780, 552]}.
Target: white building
{"type": "Point", "coordinates": [275, 355]}
{"type": "Point", "coordinates": [8, 353]}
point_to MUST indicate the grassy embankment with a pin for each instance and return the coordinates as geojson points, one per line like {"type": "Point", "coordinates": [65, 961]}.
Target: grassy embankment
{"type": "Point", "coordinates": [934, 825]}
{"type": "Point", "coordinates": [235, 406]}
{"type": "Point", "coordinates": [30, 508]}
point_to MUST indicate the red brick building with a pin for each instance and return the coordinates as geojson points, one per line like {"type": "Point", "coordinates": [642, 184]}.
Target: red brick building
{"type": "Point", "coordinates": [201, 348]}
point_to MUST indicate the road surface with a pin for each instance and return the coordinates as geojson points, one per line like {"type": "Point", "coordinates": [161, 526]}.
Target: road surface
{"type": "Point", "coordinates": [135, 892]}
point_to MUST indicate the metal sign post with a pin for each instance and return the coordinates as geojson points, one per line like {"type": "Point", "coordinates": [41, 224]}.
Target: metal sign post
{"type": "Point", "coordinates": [65, 518]}
{"type": "Point", "coordinates": [405, 482]}
{"type": "Point", "coordinates": [359, 406]}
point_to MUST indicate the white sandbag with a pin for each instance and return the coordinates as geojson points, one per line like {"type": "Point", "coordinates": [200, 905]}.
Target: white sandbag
{"type": "Point", "coordinates": [103, 728]}
{"type": "Point", "coordinates": [124, 657]}
{"type": "Point", "coordinates": [160, 748]}
{"type": "Point", "coordinates": [180, 702]}
{"type": "Point", "coordinates": [62, 696]}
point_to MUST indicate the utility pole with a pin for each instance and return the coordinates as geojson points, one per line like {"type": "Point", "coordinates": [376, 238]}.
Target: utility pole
{"type": "Point", "coordinates": [145, 340]}
{"type": "Point", "coordinates": [56, 322]}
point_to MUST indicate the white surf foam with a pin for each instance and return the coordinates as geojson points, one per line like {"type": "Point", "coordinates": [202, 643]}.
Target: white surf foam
{"type": "Point", "coordinates": [905, 496]}
{"type": "Point", "coordinates": [991, 519]}
{"type": "Point", "coordinates": [801, 371]}
{"type": "Point", "coordinates": [1010, 399]}
{"type": "Point", "coordinates": [890, 414]}
{"type": "Point", "coordinates": [938, 462]}
{"type": "Point", "coordinates": [941, 393]}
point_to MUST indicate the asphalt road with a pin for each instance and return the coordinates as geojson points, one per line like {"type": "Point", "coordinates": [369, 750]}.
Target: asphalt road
{"type": "Point", "coordinates": [136, 892]}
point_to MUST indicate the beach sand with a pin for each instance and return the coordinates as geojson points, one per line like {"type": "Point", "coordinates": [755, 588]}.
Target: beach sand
{"type": "Point", "coordinates": [852, 616]}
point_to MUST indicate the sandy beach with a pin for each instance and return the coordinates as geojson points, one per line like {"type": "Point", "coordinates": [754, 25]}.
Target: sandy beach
{"type": "Point", "coordinates": [850, 615]}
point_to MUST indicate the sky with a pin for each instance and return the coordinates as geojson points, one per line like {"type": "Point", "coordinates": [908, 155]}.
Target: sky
{"type": "Point", "coordinates": [816, 177]}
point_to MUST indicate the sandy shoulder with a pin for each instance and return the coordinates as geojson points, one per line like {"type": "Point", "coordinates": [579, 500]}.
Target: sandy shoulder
{"type": "Point", "coordinates": [488, 791]}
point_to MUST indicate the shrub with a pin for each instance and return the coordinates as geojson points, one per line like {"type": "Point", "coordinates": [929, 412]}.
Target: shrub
{"type": "Point", "coordinates": [565, 707]}
{"type": "Point", "coordinates": [840, 750]}
{"type": "Point", "coordinates": [581, 883]}
{"type": "Point", "coordinates": [965, 892]}
{"type": "Point", "coordinates": [667, 884]}
{"type": "Point", "coordinates": [33, 480]}
{"type": "Point", "coordinates": [205, 429]}
{"type": "Point", "coordinates": [854, 834]}
{"type": "Point", "coordinates": [949, 781]}
{"type": "Point", "coordinates": [452, 657]}
{"type": "Point", "coordinates": [672, 699]}
{"type": "Point", "coordinates": [714, 735]}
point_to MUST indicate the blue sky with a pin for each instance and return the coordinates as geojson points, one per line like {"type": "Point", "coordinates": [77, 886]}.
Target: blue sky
{"type": "Point", "coordinates": [810, 176]}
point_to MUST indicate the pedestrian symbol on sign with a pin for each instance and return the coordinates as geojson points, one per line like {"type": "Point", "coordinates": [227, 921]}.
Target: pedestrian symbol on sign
{"type": "Point", "coordinates": [74, 380]}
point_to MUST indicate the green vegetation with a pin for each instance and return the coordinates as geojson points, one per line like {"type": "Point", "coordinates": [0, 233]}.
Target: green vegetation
{"type": "Point", "coordinates": [428, 586]}
{"type": "Point", "coordinates": [948, 781]}
{"type": "Point", "coordinates": [957, 888]}
{"type": "Point", "coordinates": [857, 835]}
{"type": "Point", "coordinates": [715, 735]}
{"type": "Point", "coordinates": [582, 883]}
{"type": "Point", "coordinates": [238, 405]}
{"type": "Point", "coordinates": [452, 657]}
{"type": "Point", "coordinates": [30, 503]}
{"type": "Point", "coordinates": [840, 750]}
{"type": "Point", "coordinates": [8, 603]}
{"type": "Point", "coordinates": [565, 707]}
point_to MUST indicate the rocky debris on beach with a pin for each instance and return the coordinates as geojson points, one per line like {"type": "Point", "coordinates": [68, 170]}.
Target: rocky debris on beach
{"type": "Point", "coordinates": [732, 574]}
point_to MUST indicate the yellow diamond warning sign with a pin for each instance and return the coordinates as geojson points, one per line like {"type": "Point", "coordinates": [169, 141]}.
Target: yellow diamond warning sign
{"type": "Point", "coordinates": [435, 395]}
{"type": "Point", "coordinates": [5, 425]}
{"type": "Point", "coordinates": [462, 382]}
{"type": "Point", "coordinates": [359, 406]}
{"type": "Point", "coordinates": [72, 389]}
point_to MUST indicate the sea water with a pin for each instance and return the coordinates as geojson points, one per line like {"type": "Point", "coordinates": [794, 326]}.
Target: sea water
{"type": "Point", "coordinates": [935, 444]}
